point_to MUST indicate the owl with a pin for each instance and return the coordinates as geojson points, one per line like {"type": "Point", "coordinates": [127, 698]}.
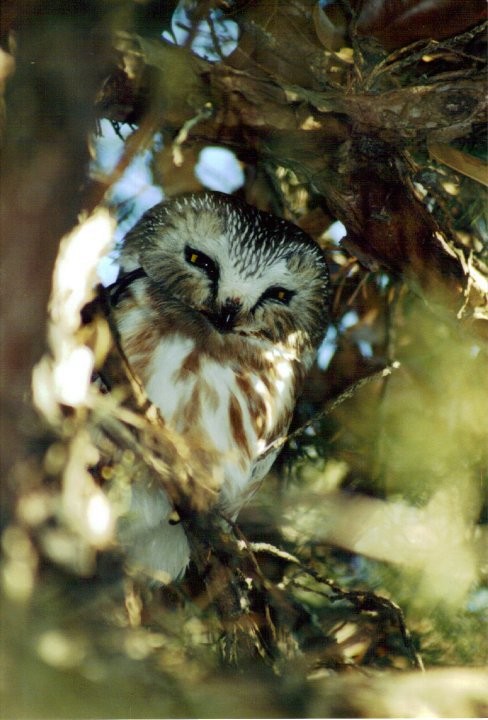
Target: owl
{"type": "Point", "coordinates": [219, 309]}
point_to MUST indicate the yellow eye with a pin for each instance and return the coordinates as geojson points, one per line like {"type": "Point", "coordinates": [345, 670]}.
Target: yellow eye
{"type": "Point", "coordinates": [280, 294]}
{"type": "Point", "coordinates": [202, 261]}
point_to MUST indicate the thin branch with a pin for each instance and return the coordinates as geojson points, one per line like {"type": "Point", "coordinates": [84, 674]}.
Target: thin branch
{"type": "Point", "coordinates": [362, 600]}
{"type": "Point", "coordinates": [331, 406]}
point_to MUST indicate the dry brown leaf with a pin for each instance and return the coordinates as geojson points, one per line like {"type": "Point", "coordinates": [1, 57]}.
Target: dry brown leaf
{"type": "Point", "coordinates": [396, 23]}
{"type": "Point", "coordinates": [331, 37]}
{"type": "Point", "coordinates": [178, 178]}
{"type": "Point", "coordinates": [460, 161]}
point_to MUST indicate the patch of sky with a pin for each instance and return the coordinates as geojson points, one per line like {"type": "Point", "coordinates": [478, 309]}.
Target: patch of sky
{"type": "Point", "coordinates": [213, 39]}
{"type": "Point", "coordinates": [382, 280]}
{"type": "Point", "coordinates": [219, 169]}
{"type": "Point", "coordinates": [327, 348]}
{"type": "Point", "coordinates": [336, 232]}
{"type": "Point", "coordinates": [349, 319]}
{"type": "Point", "coordinates": [366, 348]}
{"type": "Point", "coordinates": [133, 194]}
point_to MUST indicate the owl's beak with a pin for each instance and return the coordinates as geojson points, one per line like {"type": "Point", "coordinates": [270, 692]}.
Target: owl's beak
{"type": "Point", "coordinates": [225, 318]}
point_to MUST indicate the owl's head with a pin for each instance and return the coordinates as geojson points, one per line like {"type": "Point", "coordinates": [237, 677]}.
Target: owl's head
{"type": "Point", "coordinates": [243, 271]}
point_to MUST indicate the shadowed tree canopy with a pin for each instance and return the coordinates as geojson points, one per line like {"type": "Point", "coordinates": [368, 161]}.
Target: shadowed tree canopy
{"type": "Point", "coordinates": [361, 561]}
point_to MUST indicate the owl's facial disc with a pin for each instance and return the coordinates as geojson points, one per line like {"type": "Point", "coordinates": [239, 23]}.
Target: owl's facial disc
{"type": "Point", "coordinates": [228, 310]}
{"type": "Point", "coordinates": [238, 269]}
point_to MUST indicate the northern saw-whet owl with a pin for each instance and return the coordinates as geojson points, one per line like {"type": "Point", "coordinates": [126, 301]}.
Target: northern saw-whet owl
{"type": "Point", "coordinates": [220, 309]}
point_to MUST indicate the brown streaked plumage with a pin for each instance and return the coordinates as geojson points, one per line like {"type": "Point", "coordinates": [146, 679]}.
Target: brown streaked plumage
{"type": "Point", "coordinates": [220, 323]}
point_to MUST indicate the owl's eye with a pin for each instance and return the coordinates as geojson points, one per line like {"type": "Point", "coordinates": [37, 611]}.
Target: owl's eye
{"type": "Point", "coordinates": [202, 261]}
{"type": "Point", "coordinates": [280, 294]}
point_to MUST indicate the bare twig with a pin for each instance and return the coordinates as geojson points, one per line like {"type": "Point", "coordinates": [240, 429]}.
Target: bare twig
{"type": "Point", "coordinates": [331, 406]}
